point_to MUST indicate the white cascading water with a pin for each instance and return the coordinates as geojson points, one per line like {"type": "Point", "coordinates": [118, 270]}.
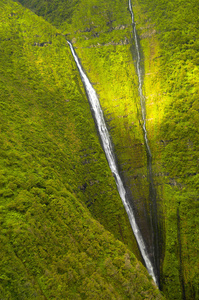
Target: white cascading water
{"type": "Point", "coordinates": [108, 149]}
{"type": "Point", "coordinates": [138, 69]}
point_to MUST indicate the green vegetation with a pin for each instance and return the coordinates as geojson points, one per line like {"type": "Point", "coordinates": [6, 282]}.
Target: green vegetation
{"type": "Point", "coordinates": [50, 151]}
{"type": "Point", "coordinates": [169, 39]}
{"type": "Point", "coordinates": [101, 33]}
{"type": "Point", "coordinates": [47, 115]}
{"type": "Point", "coordinates": [168, 32]}
{"type": "Point", "coordinates": [169, 44]}
{"type": "Point", "coordinates": [57, 12]}
{"type": "Point", "coordinates": [52, 167]}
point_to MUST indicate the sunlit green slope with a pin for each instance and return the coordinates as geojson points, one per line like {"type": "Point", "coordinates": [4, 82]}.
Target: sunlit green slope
{"type": "Point", "coordinates": [168, 35]}
{"type": "Point", "coordinates": [169, 39]}
{"type": "Point", "coordinates": [51, 164]}
{"type": "Point", "coordinates": [101, 33]}
{"type": "Point", "coordinates": [47, 114]}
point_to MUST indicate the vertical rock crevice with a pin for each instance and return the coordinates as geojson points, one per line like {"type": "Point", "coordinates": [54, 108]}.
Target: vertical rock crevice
{"type": "Point", "coordinates": [154, 210]}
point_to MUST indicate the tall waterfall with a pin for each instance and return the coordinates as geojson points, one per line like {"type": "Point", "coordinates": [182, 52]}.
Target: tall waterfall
{"type": "Point", "coordinates": [139, 73]}
{"type": "Point", "coordinates": [155, 230]}
{"type": "Point", "coordinates": [108, 149]}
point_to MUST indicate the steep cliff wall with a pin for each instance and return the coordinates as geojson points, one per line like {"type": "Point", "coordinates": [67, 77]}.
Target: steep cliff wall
{"type": "Point", "coordinates": [89, 21]}
{"type": "Point", "coordinates": [107, 50]}
{"type": "Point", "coordinates": [51, 164]}
{"type": "Point", "coordinates": [170, 63]}
{"type": "Point", "coordinates": [104, 46]}
{"type": "Point", "coordinates": [168, 36]}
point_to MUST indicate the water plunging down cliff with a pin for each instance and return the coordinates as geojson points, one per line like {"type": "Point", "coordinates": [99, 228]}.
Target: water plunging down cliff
{"type": "Point", "coordinates": [108, 149]}
{"type": "Point", "coordinates": [155, 230]}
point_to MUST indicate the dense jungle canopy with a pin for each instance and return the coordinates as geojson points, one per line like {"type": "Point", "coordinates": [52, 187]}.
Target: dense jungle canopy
{"type": "Point", "coordinates": [64, 233]}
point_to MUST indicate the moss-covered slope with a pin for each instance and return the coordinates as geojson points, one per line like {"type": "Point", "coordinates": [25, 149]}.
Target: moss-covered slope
{"type": "Point", "coordinates": [101, 33]}
{"type": "Point", "coordinates": [47, 114]}
{"type": "Point", "coordinates": [168, 34]}
{"type": "Point", "coordinates": [51, 164]}
{"type": "Point", "coordinates": [169, 39]}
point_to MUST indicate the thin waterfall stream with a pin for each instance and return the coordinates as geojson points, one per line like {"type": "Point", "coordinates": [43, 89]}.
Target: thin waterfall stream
{"type": "Point", "coordinates": [155, 228]}
{"type": "Point", "coordinates": [139, 73]}
{"type": "Point", "coordinates": [108, 149]}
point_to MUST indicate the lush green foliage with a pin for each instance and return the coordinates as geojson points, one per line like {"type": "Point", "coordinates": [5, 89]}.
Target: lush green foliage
{"type": "Point", "coordinates": [169, 39]}
{"type": "Point", "coordinates": [57, 12]}
{"type": "Point", "coordinates": [34, 67]}
{"type": "Point", "coordinates": [101, 31]}
{"type": "Point", "coordinates": [51, 164]}
{"type": "Point", "coordinates": [168, 33]}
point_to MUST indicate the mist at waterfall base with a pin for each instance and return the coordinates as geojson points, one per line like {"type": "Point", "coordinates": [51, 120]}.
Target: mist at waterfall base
{"type": "Point", "coordinates": [108, 149]}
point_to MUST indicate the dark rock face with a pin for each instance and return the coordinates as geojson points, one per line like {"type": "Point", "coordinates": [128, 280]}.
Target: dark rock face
{"type": "Point", "coordinates": [42, 44]}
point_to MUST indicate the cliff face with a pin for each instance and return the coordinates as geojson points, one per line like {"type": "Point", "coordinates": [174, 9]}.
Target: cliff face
{"type": "Point", "coordinates": [102, 34]}
{"type": "Point", "coordinates": [168, 37]}
{"type": "Point", "coordinates": [51, 168]}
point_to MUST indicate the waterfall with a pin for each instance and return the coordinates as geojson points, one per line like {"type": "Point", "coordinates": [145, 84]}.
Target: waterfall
{"type": "Point", "coordinates": [155, 230]}
{"type": "Point", "coordinates": [139, 73]}
{"type": "Point", "coordinates": [108, 149]}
